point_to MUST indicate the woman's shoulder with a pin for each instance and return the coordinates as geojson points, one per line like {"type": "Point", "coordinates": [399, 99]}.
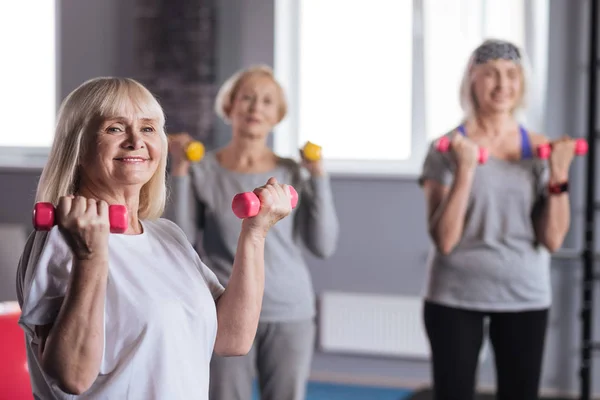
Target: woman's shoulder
{"type": "Point", "coordinates": [163, 228]}
{"type": "Point", "coordinates": [207, 163]}
{"type": "Point", "coordinates": [445, 134]}
{"type": "Point", "coordinates": [536, 138]}
{"type": "Point", "coordinates": [288, 163]}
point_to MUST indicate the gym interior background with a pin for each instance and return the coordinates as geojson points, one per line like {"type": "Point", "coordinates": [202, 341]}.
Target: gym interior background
{"type": "Point", "coordinates": [384, 243]}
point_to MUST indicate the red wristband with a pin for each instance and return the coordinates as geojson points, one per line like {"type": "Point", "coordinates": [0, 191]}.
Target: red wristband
{"type": "Point", "coordinates": [558, 188]}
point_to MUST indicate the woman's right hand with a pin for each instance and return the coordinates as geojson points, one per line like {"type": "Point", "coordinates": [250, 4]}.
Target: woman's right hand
{"type": "Point", "coordinates": [465, 150]}
{"type": "Point", "coordinates": [178, 142]}
{"type": "Point", "coordinates": [85, 225]}
{"type": "Point", "coordinates": [275, 200]}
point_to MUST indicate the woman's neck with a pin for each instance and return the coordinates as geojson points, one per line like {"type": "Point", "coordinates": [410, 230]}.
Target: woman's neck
{"type": "Point", "coordinates": [247, 155]}
{"type": "Point", "coordinates": [494, 124]}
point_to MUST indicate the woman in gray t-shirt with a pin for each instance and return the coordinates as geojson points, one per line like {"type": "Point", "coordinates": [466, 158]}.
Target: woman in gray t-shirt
{"type": "Point", "coordinates": [253, 102]}
{"type": "Point", "coordinates": [493, 226]}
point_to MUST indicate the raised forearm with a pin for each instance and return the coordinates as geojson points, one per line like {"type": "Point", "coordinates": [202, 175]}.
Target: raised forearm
{"type": "Point", "coordinates": [72, 352]}
{"type": "Point", "coordinates": [447, 223]}
{"type": "Point", "coordinates": [319, 221]}
{"type": "Point", "coordinates": [238, 308]}
{"type": "Point", "coordinates": [555, 218]}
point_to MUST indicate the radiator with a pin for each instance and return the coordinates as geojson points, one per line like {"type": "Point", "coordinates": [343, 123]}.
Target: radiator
{"type": "Point", "coordinates": [377, 325]}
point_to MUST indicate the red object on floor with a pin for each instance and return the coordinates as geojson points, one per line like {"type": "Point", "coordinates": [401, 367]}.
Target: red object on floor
{"type": "Point", "coordinates": [14, 374]}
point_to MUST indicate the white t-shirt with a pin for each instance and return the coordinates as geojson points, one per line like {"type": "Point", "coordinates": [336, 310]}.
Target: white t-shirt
{"type": "Point", "coordinates": [160, 316]}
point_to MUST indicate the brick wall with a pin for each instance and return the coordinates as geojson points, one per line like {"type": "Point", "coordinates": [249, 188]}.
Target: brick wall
{"type": "Point", "coordinates": [176, 49]}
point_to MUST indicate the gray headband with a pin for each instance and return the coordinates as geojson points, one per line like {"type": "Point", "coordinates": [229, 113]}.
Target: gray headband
{"type": "Point", "coordinates": [494, 50]}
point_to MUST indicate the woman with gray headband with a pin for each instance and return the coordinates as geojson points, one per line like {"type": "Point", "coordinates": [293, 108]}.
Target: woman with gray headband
{"type": "Point", "coordinates": [493, 226]}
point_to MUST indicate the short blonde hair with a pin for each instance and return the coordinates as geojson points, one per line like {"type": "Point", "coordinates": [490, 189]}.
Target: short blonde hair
{"type": "Point", "coordinates": [95, 100]}
{"type": "Point", "coordinates": [468, 102]}
{"type": "Point", "coordinates": [229, 89]}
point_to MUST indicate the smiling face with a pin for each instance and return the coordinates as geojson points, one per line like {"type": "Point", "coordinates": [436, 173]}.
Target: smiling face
{"type": "Point", "coordinates": [125, 147]}
{"type": "Point", "coordinates": [256, 106]}
{"type": "Point", "coordinates": [126, 151]}
{"type": "Point", "coordinates": [497, 86]}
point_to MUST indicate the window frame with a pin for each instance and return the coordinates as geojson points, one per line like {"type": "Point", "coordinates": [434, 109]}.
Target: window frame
{"type": "Point", "coordinates": [19, 158]}
{"type": "Point", "coordinates": [286, 46]}
{"type": "Point", "coordinates": [286, 135]}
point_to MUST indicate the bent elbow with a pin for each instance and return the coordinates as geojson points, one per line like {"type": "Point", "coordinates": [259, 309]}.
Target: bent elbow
{"type": "Point", "coordinates": [553, 245]}
{"type": "Point", "coordinates": [445, 248]}
{"type": "Point", "coordinates": [238, 351]}
{"type": "Point", "coordinates": [73, 385]}
{"type": "Point", "coordinates": [324, 248]}
{"type": "Point", "coordinates": [443, 245]}
{"type": "Point", "coordinates": [69, 382]}
{"type": "Point", "coordinates": [324, 252]}
{"type": "Point", "coordinates": [552, 242]}
{"type": "Point", "coordinates": [241, 348]}
{"type": "Point", "coordinates": [234, 343]}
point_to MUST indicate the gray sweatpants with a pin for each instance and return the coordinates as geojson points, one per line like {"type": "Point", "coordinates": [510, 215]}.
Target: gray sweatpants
{"type": "Point", "coordinates": [281, 354]}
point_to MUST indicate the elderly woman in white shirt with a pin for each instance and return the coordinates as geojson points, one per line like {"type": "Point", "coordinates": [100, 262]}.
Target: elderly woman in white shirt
{"type": "Point", "coordinates": [135, 315]}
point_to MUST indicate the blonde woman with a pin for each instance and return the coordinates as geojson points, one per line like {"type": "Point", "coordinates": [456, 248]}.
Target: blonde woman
{"type": "Point", "coordinates": [493, 226]}
{"type": "Point", "coordinates": [134, 315]}
{"type": "Point", "coordinates": [253, 102]}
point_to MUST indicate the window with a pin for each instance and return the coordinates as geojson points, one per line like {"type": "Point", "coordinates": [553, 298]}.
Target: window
{"type": "Point", "coordinates": [28, 79]}
{"type": "Point", "coordinates": [353, 91]}
{"type": "Point", "coordinates": [374, 84]}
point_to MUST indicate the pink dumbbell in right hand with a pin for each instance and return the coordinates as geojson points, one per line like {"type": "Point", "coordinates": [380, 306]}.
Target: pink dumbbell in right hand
{"type": "Point", "coordinates": [544, 150]}
{"type": "Point", "coordinates": [44, 219]}
{"type": "Point", "coordinates": [247, 205]}
{"type": "Point", "coordinates": [443, 145]}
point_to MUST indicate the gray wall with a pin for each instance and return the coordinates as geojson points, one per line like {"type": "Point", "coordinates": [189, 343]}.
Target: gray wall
{"type": "Point", "coordinates": [379, 252]}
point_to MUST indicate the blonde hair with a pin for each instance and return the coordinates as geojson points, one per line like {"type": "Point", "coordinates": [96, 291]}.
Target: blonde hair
{"type": "Point", "coordinates": [229, 89]}
{"type": "Point", "coordinates": [468, 102]}
{"type": "Point", "coordinates": [95, 100]}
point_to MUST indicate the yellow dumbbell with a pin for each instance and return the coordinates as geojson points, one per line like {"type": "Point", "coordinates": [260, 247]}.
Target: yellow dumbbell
{"type": "Point", "coordinates": [194, 151]}
{"type": "Point", "coordinates": [312, 152]}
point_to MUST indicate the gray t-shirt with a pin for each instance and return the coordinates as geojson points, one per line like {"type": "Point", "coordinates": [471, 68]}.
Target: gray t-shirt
{"type": "Point", "coordinates": [498, 265]}
{"type": "Point", "coordinates": [201, 203]}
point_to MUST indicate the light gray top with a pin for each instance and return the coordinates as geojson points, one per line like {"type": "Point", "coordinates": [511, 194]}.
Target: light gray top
{"type": "Point", "coordinates": [498, 264]}
{"type": "Point", "coordinates": [201, 203]}
{"type": "Point", "coordinates": [159, 322]}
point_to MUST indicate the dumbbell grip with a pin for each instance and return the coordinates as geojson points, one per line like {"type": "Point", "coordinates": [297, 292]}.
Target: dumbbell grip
{"type": "Point", "coordinates": [44, 217]}
{"type": "Point", "coordinates": [312, 152]}
{"type": "Point", "coordinates": [247, 205]}
{"type": "Point", "coordinates": [544, 150]}
{"type": "Point", "coordinates": [443, 146]}
{"type": "Point", "coordinates": [194, 151]}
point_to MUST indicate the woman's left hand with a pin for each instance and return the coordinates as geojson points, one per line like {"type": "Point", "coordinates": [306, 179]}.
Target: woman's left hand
{"type": "Point", "coordinates": [563, 151]}
{"type": "Point", "coordinates": [275, 204]}
{"type": "Point", "coordinates": [315, 168]}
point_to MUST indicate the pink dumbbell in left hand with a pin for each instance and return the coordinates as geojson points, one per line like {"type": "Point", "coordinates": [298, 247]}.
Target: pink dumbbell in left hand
{"type": "Point", "coordinates": [544, 150]}
{"type": "Point", "coordinates": [443, 146]}
{"type": "Point", "coordinates": [247, 205]}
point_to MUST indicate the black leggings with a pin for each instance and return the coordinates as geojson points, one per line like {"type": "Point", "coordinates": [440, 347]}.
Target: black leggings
{"type": "Point", "coordinates": [456, 335]}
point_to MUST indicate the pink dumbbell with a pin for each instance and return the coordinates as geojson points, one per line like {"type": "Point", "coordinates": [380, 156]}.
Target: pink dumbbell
{"type": "Point", "coordinates": [247, 205]}
{"type": "Point", "coordinates": [44, 217]}
{"type": "Point", "coordinates": [443, 145]}
{"type": "Point", "coordinates": [544, 150]}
